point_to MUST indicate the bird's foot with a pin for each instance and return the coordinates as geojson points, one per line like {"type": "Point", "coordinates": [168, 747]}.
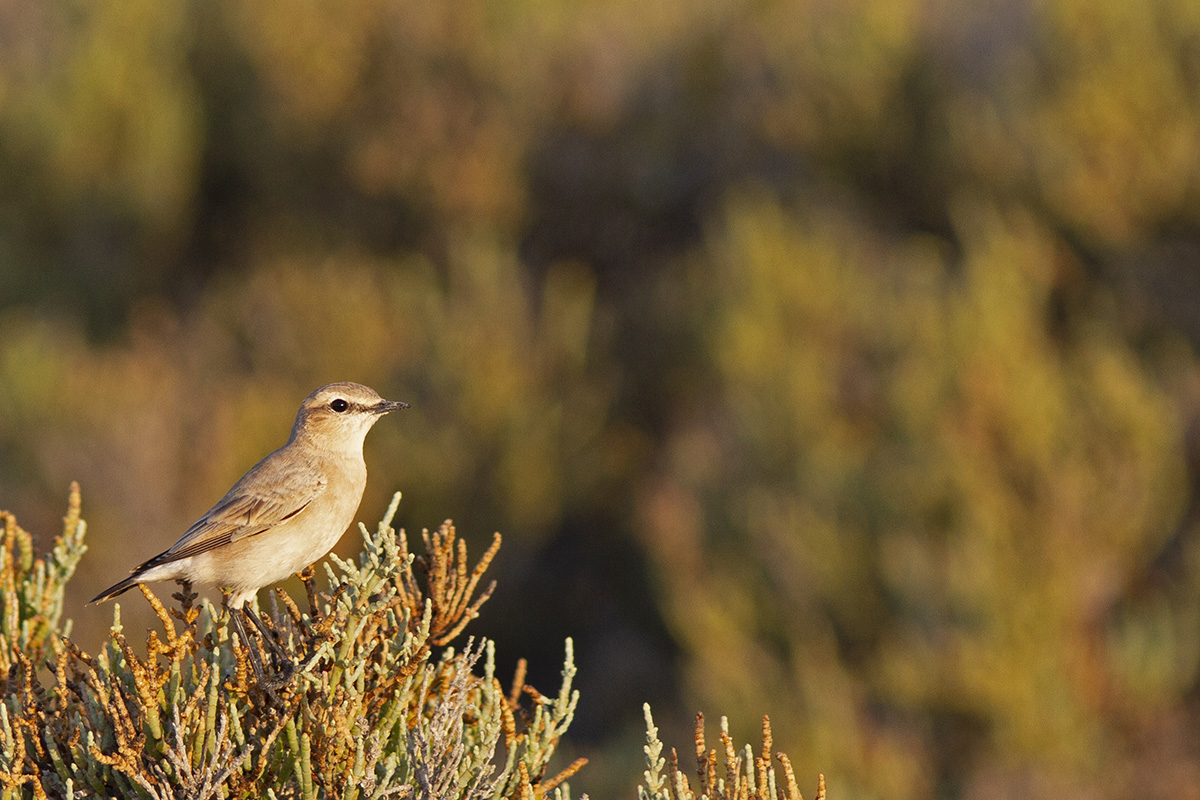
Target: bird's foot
{"type": "Point", "coordinates": [284, 674]}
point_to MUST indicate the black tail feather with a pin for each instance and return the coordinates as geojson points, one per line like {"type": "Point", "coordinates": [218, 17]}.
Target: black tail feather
{"type": "Point", "coordinates": [133, 580]}
{"type": "Point", "coordinates": [117, 588]}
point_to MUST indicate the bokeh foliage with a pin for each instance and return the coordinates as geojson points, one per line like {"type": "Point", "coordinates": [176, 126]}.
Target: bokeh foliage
{"type": "Point", "coordinates": [834, 361]}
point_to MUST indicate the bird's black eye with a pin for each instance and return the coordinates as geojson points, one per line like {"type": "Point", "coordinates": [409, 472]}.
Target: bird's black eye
{"type": "Point", "coordinates": [339, 405]}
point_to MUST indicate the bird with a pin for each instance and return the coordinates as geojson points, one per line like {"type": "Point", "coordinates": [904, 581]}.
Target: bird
{"type": "Point", "coordinates": [287, 512]}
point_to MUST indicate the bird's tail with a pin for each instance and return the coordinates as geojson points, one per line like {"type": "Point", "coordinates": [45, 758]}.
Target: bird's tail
{"type": "Point", "coordinates": [117, 588]}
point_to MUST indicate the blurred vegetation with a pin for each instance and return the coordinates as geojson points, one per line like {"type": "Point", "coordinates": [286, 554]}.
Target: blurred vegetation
{"type": "Point", "coordinates": [835, 361]}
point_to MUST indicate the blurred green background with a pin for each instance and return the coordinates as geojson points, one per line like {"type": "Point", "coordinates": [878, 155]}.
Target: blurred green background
{"type": "Point", "coordinates": [831, 360]}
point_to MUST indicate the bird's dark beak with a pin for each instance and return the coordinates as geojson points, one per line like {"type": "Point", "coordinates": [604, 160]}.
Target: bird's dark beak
{"type": "Point", "coordinates": [388, 406]}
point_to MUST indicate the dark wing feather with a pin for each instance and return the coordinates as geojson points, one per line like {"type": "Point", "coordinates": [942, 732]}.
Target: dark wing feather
{"type": "Point", "coordinates": [271, 493]}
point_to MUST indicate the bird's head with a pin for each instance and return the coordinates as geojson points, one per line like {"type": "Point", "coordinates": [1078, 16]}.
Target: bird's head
{"type": "Point", "coordinates": [339, 415]}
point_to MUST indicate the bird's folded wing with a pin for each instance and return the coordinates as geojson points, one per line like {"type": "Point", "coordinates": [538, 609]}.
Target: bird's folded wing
{"type": "Point", "coordinates": [245, 512]}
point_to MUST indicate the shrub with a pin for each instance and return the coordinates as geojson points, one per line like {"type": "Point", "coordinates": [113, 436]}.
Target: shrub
{"type": "Point", "coordinates": [380, 705]}
{"type": "Point", "coordinates": [745, 776]}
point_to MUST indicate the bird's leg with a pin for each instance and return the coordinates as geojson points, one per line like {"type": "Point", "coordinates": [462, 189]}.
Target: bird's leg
{"type": "Point", "coordinates": [286, 664]}
{"type": "Point", "coordinates": [260, 673]}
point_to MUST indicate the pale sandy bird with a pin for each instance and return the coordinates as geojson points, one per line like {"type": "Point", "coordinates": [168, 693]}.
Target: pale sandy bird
{"type": "Point", "coordinates": [288, 511]}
